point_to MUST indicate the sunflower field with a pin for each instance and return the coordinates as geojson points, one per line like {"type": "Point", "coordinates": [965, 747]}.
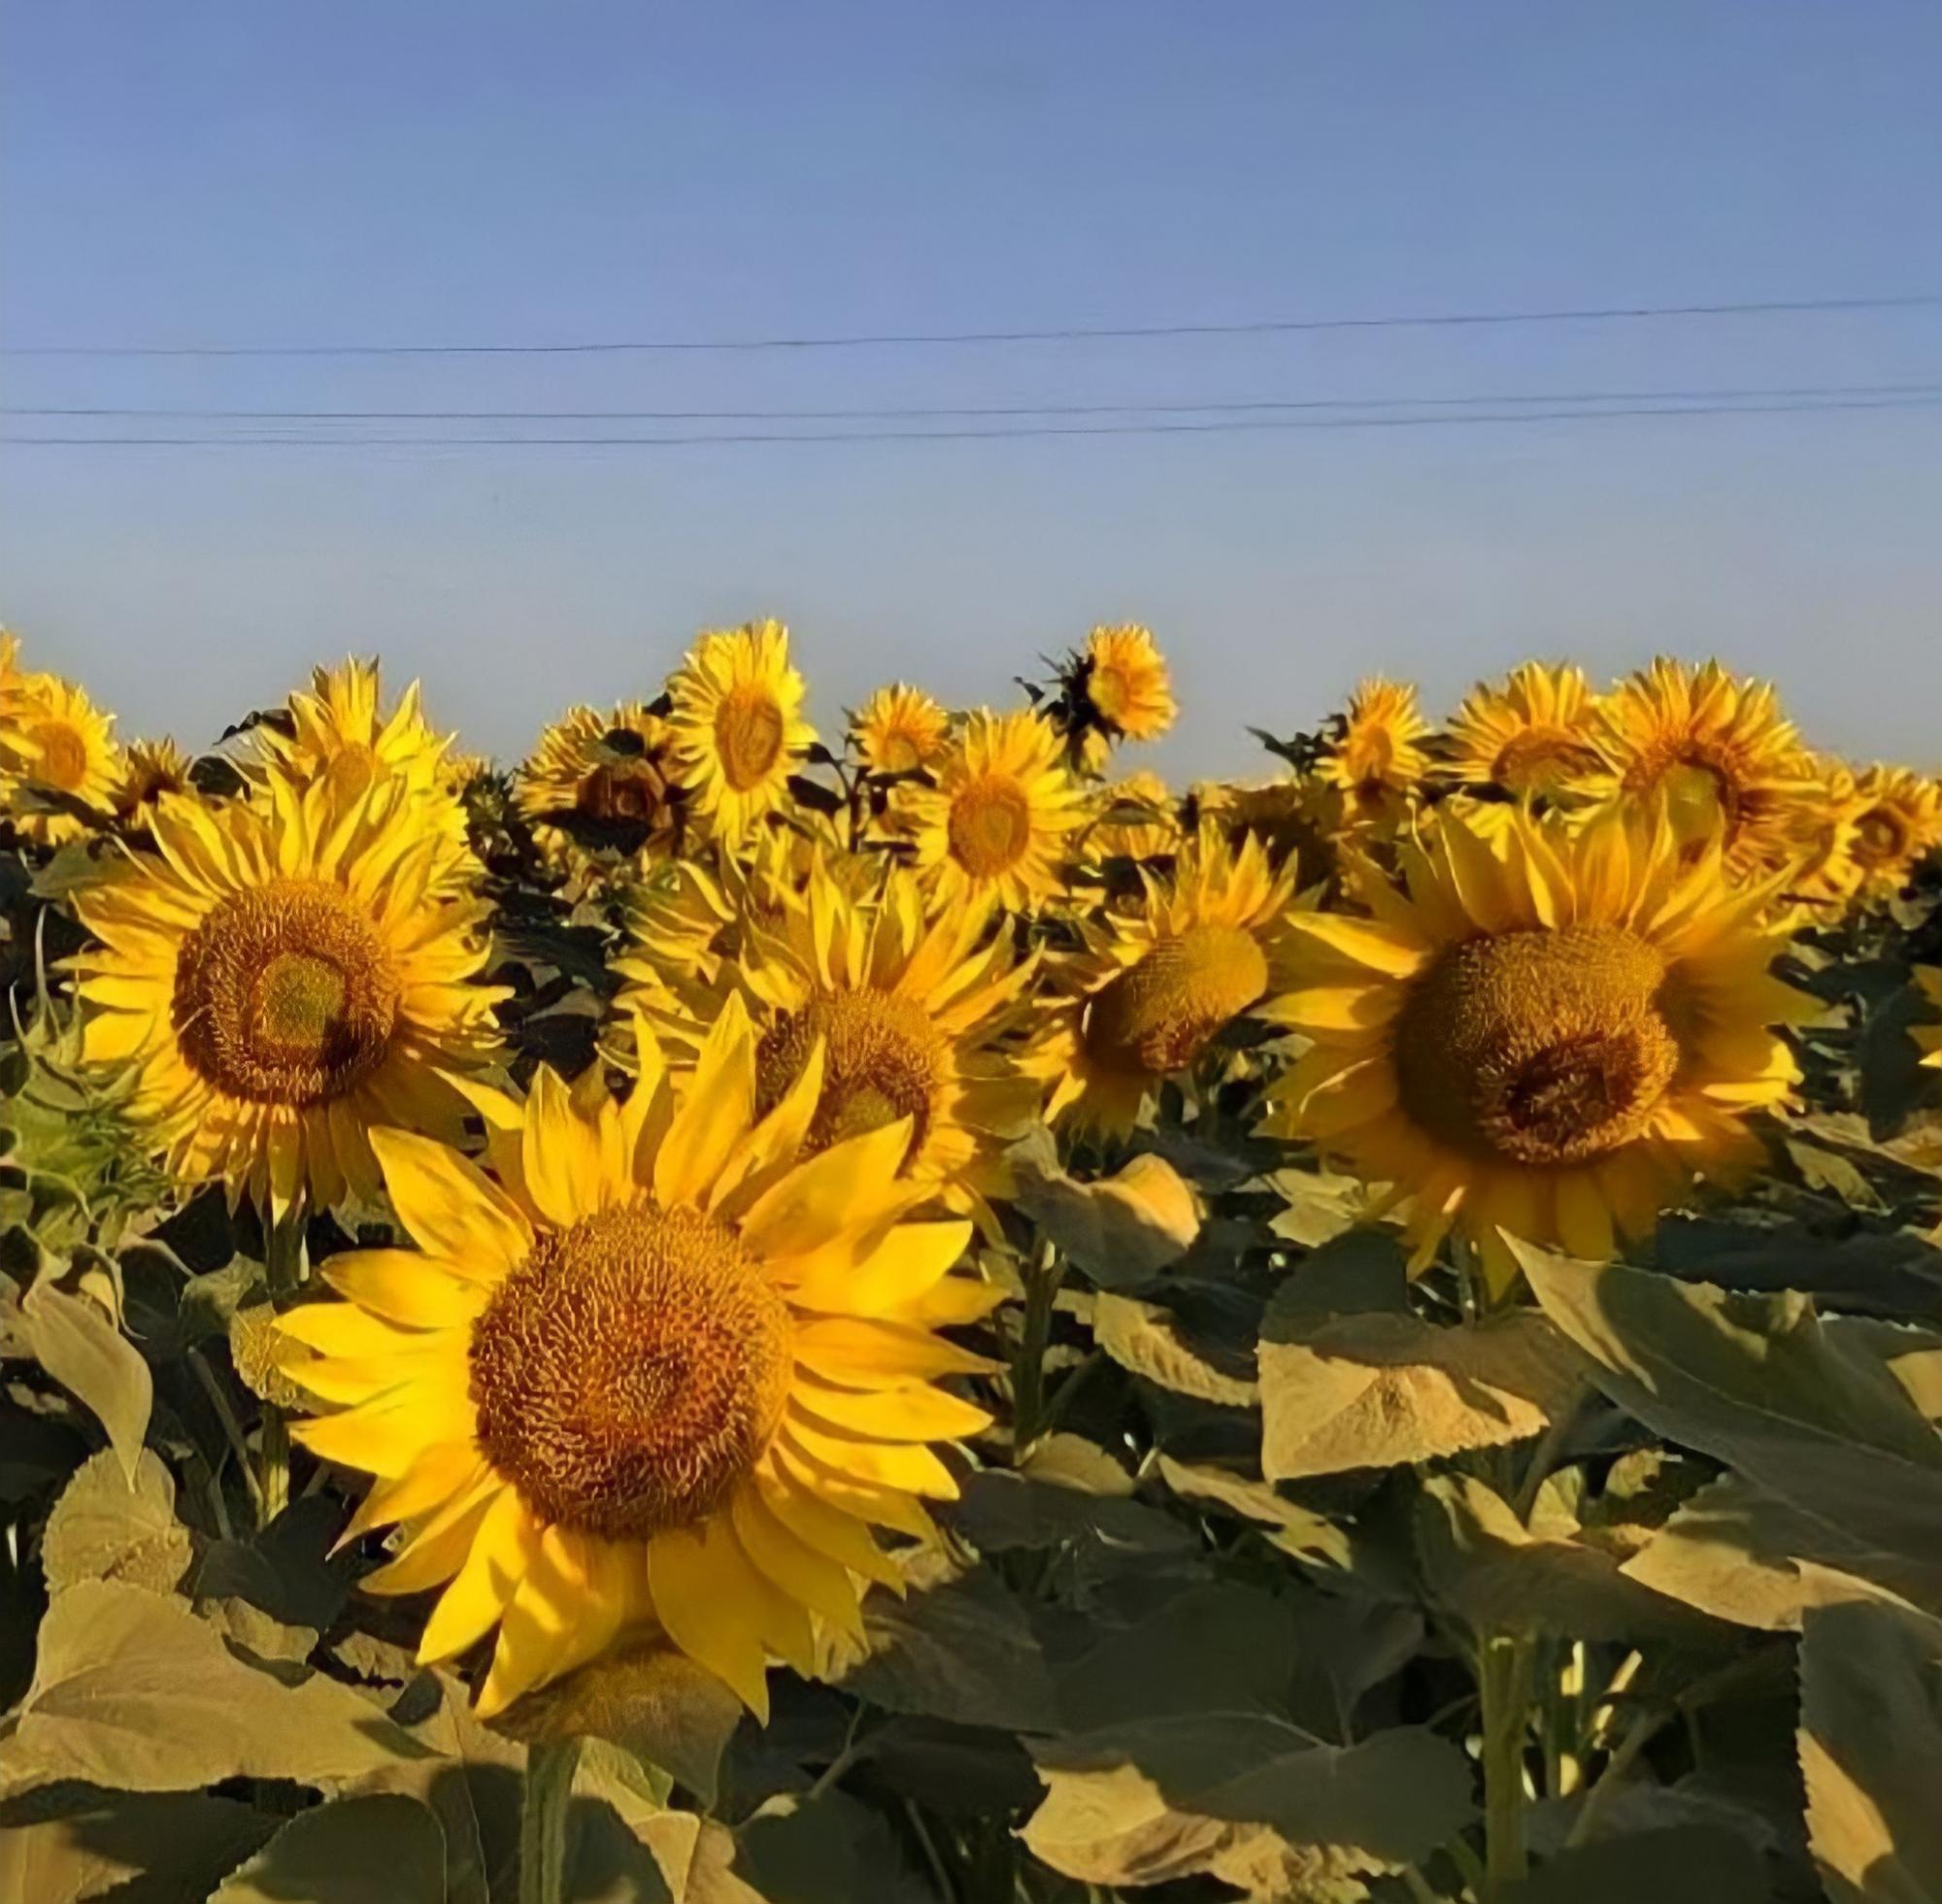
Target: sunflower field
{"type": "Point", "coordinates": [746, 1312]}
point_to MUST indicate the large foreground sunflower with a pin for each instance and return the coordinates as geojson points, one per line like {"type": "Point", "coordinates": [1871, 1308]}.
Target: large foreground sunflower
{"type": "Point", "coordinates": [1530, 736]}
{"type": "Point", "coordinates": [282, 978]}
{"type": "Point", "coordinates": [1155, 984]}
{"type": "Point", "coordinates": [660, 1371]}
{"type": "Point", "coordinates": [62, 759]}
{"type": "Point", "coordinates": [899, 730]}
{"type": "Point", "coordinates": [602, 779]}
{"type": "Point", "coordinates": [738, 725]}
{"type": "Point", "coordinates": [1713, 757]}
{"type": "Point", "coordinates": [995, 824]}
{"type": "Point", "coordinates": [1552, 1039]}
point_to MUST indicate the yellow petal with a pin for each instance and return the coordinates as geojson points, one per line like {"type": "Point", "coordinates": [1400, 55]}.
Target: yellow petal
{"type": "Point", "coordinates": [566, 1610]}
{"type": "Point", "coordinates": [502, 1547]}
{"type": "Point", "coordinates": [797, 1568]}
{"type": "Point", "coordinates": [436, 1548]}
{"type": "Point", "coordinates": [693, 1578]}
{"type": "Point", "coordinates": [913, 1413]}
{"type": "Point", "coordinates": [910, 1259]}
{"type": "Point", "coordinates": [560, 1155]}
{"type": "Point", "coordinates": [825, 1527]}
{"type": "Point", "coordinates": [914, 1470]}
{"type": "Point", "coordinates": [857, 1353]}
{"type": "Point", "coordinates": [846, 1187]}
{"type": "Point", "coordinates": [1361, 942]}
{"type": "Point", "coordinates": [716, 1113]}
{"type": "Point", "coordinates": [450, 1206]}
{"type": "Point", "coordinates": [403, 1286]}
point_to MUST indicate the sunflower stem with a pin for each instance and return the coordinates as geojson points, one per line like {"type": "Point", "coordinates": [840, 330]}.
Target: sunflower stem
{"type": "Point", "coordinates": [1042, 1282]}
{"type": "Point", "coordinates": [550, 1769]}
{"type": "Point", "coordinates": [283, 1272]}
{"type": "Point", "coordinates": [1504, 1681]}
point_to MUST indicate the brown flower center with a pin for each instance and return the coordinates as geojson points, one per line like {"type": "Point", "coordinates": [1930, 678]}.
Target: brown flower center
{"type": "Point", "coordinates": [882, 1059]}
{"type": "Point", "coordinates": [1537, 1046]}
{"type": "Point", "coordinates": [284, 995]}
{"type": "Point", "coordinates": [1539, 758]}
{"type": "Point", "coordinates": [748, 735]}
{"type": "Point", "coordinates": [990, 825]}
{"type": "Point", "coordinates": [1881, 837]}
{"type": "Point", "coordinates": [1159, 1015]}
{"type": "Point", "coordinates": [63, 756]}
{"type": "Point", "coordinates": [630, 1371]}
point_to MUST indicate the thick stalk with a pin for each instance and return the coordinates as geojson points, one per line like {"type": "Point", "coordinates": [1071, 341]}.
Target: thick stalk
{"type": "Point", "coordinates": [549, 1767]}
{"type": "Point", "coordinates": [283, 1271]}
{"type": "Point", "coordinates": [1504, 1682]}
{"type": "Point", "coordinates": [1042, 1279]}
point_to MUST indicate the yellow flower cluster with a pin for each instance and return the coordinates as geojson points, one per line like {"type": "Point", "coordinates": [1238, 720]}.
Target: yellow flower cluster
{"type": "Point", "coordinates": [659, 1340]}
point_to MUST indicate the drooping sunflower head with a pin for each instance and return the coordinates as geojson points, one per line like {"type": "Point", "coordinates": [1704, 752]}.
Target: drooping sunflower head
{"type": "Point", "coordinates": [1155, 984]}
{"type": "Point", "coordinates": [1123, 684]}
{"type": "Point", "coordinates": [603, 780]}
{"type": "Point", "coordinates": [736, 726]}
{"type": "Point", "coordinates": [1377, 758]}
{"type": "Point", "coordinates": [996, 821]}
{"type": "Point", "coordinates": [1712, 757]}
{"type": "Point", "coordinates": [1550, 1036]}
{"type": "Point", "coordinates": [661, 1366]}
{"type": "Point", "coordinates": [1531, 735]}
{"type": "Point", "coordinates": [899, 730]}
{"type": "Point", "coordinates": [150, 768]}
{"type": "Point", "coordinates": [281, 977]}
{"type": "Point", "coordinates": [1896, 820]}
{"type": "Point", "coordinates": [1135, 818]}
{"type": "Point", "coordinates": [62, 761]}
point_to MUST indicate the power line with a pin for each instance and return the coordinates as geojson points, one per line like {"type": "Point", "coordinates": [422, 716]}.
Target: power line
{"type": "Point", "coordinates": [174, 414]}
{"type": "Point", "coordinates": [1007, 432]}
{"type": "Point", "coordinates": [1072, 333]}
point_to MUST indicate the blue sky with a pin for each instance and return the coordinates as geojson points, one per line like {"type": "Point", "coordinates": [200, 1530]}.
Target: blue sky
{"type": "Point", "coordinates": [254, 174]}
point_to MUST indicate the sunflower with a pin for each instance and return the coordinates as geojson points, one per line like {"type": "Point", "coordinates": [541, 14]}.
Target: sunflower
{"type": "Point", "coordinates": [899, 730]}
{"type": "Point", "coordinates": [1376, 761]}
{"type": "Point", "coordinates": [62, 757]}
{"type": "Point", "coordinates": [1136, 818]}
{"type": "Point", "coordinates": [1155, 986]}
{"type": "Point", "coordinates": [1125, 683]}
{"type": "Point", "coordinates": [602, 779]}
{"type": "Point", "coordinates": [1897, 821]}
{"type": "Point", "coordinates": [997, 820]}
{"type": "Point", "coordinates": [1714, 757]}
{"type": "Point", "coordinates": [1551, 1039]}
{"type": "Point", "coordinates": [1533, 735]}
{"type": "Point", "coordinates": [738, 725]}
{"type": "Point", "coordinates": [150, 768]}
{"type": "Point", "coordinates": [282, 978]}
{"type": "Point", "coordinates": [662, 1370]}
{"type": "Point", "coordinates": [339, 732]}
{"type": "Point", "coordinates": [908, 1003]}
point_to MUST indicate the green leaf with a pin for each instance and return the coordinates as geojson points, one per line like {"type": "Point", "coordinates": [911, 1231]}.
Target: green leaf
{"type": "Point", "coordinates": [1382, 1387]}
{"type": "Point", "coordinates": [1293, 1528]}
{"type": "Point", "coordinates": [1003, 1513]}
{"type": "Point", "coordinates": [825, 1849]}
{"type": "Point", "coordinates": [1244, 1797]}
{"type": "Point", "coordinates": [69, 1842]}
{"type": "Point", "coordinates": [1120, 1230]}
{"type": "Point", "coordinates": [105, 1527]}
{"type": "Point", "coordinates": [1870, 1742]}
{"type": "Point", "coordinates": [78, 1343]}
{"type": "Point", "coordinates": [1755, 1382]}
{"type": "Point", "coordinates": [133, 1691]}
{"type": "Point", "coordinates": [1681, 1864]}
{"type": "Point", "coordinates": [378, 1850]}
{"type": "Point", "coordinates": [1480, 1560]}
{"type": "Point", "coordinates": [1144, 1338]}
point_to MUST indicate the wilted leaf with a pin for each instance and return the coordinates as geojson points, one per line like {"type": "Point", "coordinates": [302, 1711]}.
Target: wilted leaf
{"type": "Point", "coordinates": [133, 1691]}
{"type": "Point", "coordinates": [1870, 1743]}
{"type": "Point", "coordinates": [1144, 1338]}
{"type": "Point", "coordinates": [71, 1843]}
{"type": "Point", "coordinates": [1682, 1864]}
{"type": "Point", "coordinates": [378, 1850]}
{"type": "Point", "coordinates": [1755, 1382]}
{"type": "Point", "coordinates": [78, 1343]}
{"type": "Point", "coordinates": [1242, 1794]}
{"type": "Point", "coordinates": [1481, 1560]}
{"type": "Point", "coordinates": [1385, 1388]}
{"type": "Point", "coordinates": [104, 1527]}
{"type": "Point", "coordinates": [1119, 1230]}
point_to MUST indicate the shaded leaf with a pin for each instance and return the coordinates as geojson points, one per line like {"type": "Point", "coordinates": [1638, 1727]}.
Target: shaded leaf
{"type": "Point", "coordinates": [1682, 1864]}
{"type": "Point", "coordinates": [378, 1850]}
{"type": "Point", "coordinates": [105, 1527]}
{"type": "Point", "coordinates": [825, 1849]}
{"type": "Point", "coordinates": [1119, 1230]}
{"type": "Point", "coordinates": [1002, 1513]}
{"type": "Point", "coordinates": [1144, 1338]}
{"type": "Point", "coordinates": [69, 1842]}
{"type": "Point", "coordinates": [78, 1343]}
{"type": "Point", "coordinates": [1293, 1528]}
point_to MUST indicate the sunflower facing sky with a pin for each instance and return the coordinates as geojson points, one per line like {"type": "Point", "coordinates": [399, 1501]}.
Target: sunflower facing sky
{"type": "Point", "coordinates": [605, 777]}
{"type": "Point", "coordinates": [1895, 821]}
{"type": "Point", "coordinates": [1379, 758]}
{"type": "Point", "coordinates": [1531, 735]}
{"type": "Point", "coordinates": [899, 730]}
{"type": "Point", "coordinates": [1552, 1039]}
{"type": "Point", "coordinates": [281, 978]}
{"type": "Point", "coordinates": [659, 1367]}
{"type": "Point", "coordinates": [1127, 683]}
{"type": "Point", "coordinates": [62, 755]}
{"type": "Point", "coordinates": [737, 724]}
{"type": "Point", "coordinates": [1714, 757]}
{"type": "Point", "coordinates": [150, 768]}
{"type": "Point", "coordinates": [996, 822]}
{"type": "Point", "coordinates": [1155, 984]}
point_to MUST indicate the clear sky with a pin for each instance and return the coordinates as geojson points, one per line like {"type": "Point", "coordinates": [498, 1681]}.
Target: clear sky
{"type": "Point", "coordinates": [260, 171]}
